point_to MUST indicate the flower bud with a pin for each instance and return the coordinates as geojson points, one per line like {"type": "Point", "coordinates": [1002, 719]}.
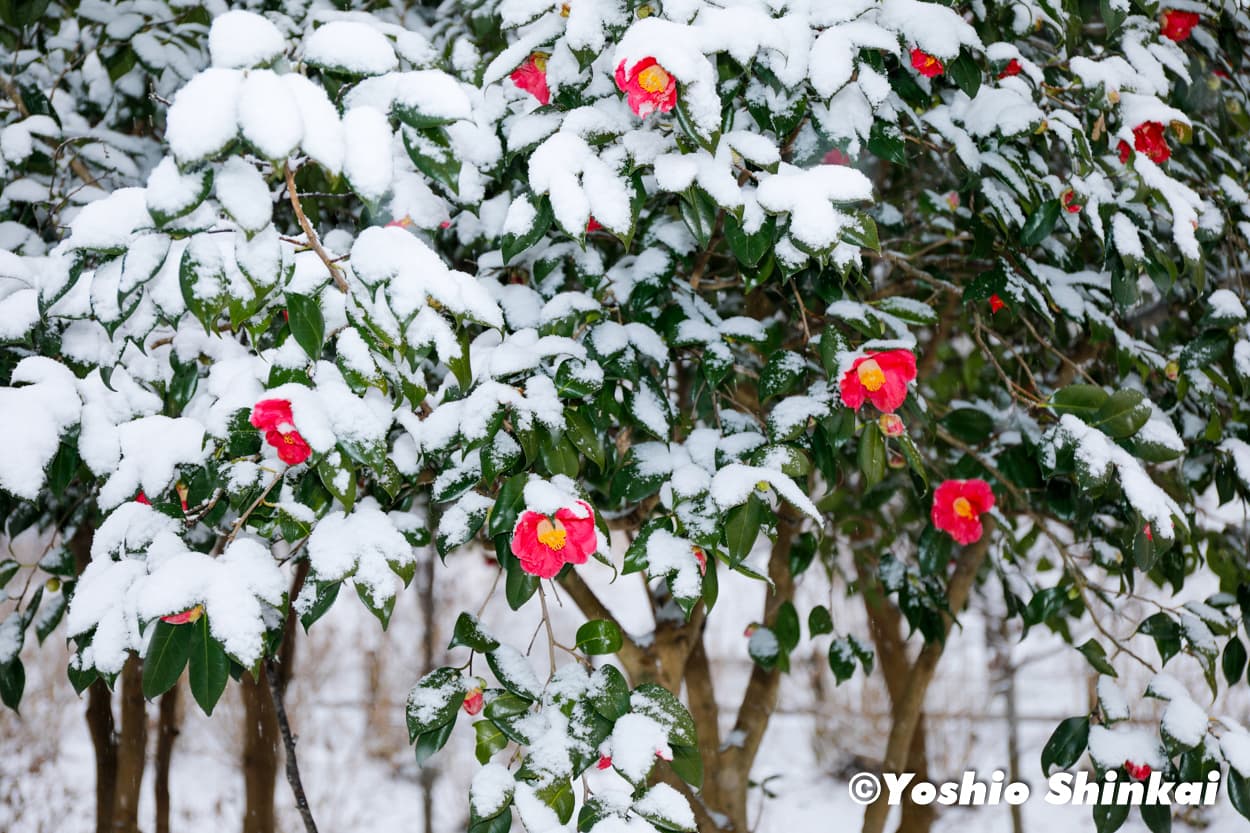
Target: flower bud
{"type": "Point", "coordinates": [891, 425]}
{"type": "Point", "coordinates": [1172, 370]}
{"type": "Point", "coordinates": [52, 585]}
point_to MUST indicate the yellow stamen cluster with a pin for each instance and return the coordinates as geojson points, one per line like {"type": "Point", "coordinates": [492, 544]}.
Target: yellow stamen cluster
{"type": "Point", "coordinates": [871, 376]}
{"type": "Point", "coordinates": [552, 534]}
{"type": "Point", "coordinates": [963, 507]}
{"type": "Point", "coordinates": [653, 79]}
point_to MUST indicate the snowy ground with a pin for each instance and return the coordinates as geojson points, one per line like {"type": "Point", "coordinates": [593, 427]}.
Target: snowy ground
{"type": "Point", "coordinates": [358, 768]}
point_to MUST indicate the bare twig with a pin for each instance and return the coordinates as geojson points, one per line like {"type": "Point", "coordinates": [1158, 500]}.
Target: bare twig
{"type": "Point", "coordinates": [288, 741]}
{"type": "Point", "coordinates": [336, 271]}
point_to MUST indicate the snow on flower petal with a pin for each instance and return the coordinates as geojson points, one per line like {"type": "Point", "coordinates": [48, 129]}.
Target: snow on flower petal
{"type": "Point", "coordinates": [879, 378]}
{"type": "Point", "coordinates": [531, 76]}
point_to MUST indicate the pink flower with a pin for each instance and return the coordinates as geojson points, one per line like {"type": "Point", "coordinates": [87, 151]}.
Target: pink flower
{"type": "Point", "coordinates": [1176, 25]}
{"type": "Point", "coordinates": [996, 303]}
{"type": "Point", "coordinates": [1149, 138]}
{"type": "Point", "coordinates": [926, 64]}
{"type": "Point", "coordinates": [269, 414]}
{"type": "Point", "coordinates": [1013, 68]}
{"type": "Point", "coordinates": [649, 87]}
{"type": "Point", "coordinates": [531, 76]}
{"type": "Point", "coordinates": [1138, 772]}
{"type": "Point", "coordinates": [186, 617]}
{"type": "Point", "coordinates": [958, 506]}
{"type": "Point", "coordinates": [880, 378]}
{"type": "Point", "coordinates": [545, 544]}
{"type": "Point", "coordinates": [473, 701]}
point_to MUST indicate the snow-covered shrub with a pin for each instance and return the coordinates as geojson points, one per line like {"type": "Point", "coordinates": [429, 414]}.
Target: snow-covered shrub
{"type": "Point", "coordinates": [744, 286]}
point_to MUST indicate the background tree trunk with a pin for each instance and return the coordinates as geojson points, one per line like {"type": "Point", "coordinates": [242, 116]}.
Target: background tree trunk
{"type": "Point", "coordinates": [166, 734]}
{"type": "Point", "coordinates": [99, 713]}
{"type": "Point", "coordinates": [132, 748]}
{"type": "Point", "coordinates": [104, 740]}
{"type": "Point", "coordinates": [260, 755]}
{"type": "Point", "coordinates": [261, 734]}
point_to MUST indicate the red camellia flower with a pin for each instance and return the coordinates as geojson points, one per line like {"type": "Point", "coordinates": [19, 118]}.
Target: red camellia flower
{"type": "Point", "coordinates": [836, 157]}
{"type": "Point", "coordinates": [926, 64]}
{"type": "Point", "coordinates": [593, 225]}
{"type": "Point", "coordinates": [531, 76]}
{"type": "Point", "coordinates": [605, 761]}
{"type": "Point", "coordinates": [1069, 202]}
{"type": "Point", "coordinates": [273, 416]}
{"type": "Point", "coordinates": [958, 506]}
{"type": "Point", "coordinates": [1125, 151]}
{"type": "Point", "coordinates": [186, 617]}
{"type": "Point", "coordinates": [650, 87]}
{"type": "Point", "coordinates": [880, 378]}
{"type": "Point", "coordinates": [1150, 536]}
{"type": "Point", "coordinates": [701, 557]}
{"type": "Point", "coordinates": [1138, 772]}
{"type": "Point", "coordinates": [1148, 137]}
{"type": "Point", "coordinates": [545, 544]}
{"type": "Point", "coordinates": [996, 303]}
{"type": "Point", "coordinates": [473, 701]}
{"type": "Point", "coordinates": [142, 498]}
{"type": "Point", "coordinates": [1013, 68]}
{"type": "Point", "coordinates": [1176, 25]}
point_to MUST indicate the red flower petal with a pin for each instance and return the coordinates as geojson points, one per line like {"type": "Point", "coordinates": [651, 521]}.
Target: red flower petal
{"type": "Point", "coordinates": [649, 87]}
{"type": "Point", "coordinates": [1013, 68]}
{"type": "Point", "coordinates": [531, 76]}
{"type": "Point", "coordinates": [926, 64]}
{"type": "Point", "coordinates": [1177, 25]}
{"type": "Point", "coordinates": [964, 526]}
{"type": "Point", "coordinates": [268, 414]}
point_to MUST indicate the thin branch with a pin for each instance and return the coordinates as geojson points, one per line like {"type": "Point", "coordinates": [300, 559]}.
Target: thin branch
{"type": "Point", "coordinates": [551, 637]}
{"type": "Point", "coordinates": [336, 271]}
{"type": "Point", "coordinates": [288, 741]}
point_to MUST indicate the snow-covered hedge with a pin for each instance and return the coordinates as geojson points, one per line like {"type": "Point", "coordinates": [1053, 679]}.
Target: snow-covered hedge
{"type": "Point", "coordinates": [303, 293]}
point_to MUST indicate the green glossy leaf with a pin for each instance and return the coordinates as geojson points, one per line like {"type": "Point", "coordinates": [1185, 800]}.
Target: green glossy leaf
{"type": "Point", "coordinates": [308, 325]}
{"type": "Point", "coordinates": [598, 636]}
{"type": "Point", "coordinates": [166, 657]}
{"type": "Point", "coordinates": [208, 667]}
{"type": "Point", "coordinates": [819, 621]}
{"type": "Point", "coordinates": [1096, 655]}
{"type": "Point", "coordinates": [1066, 744]}
{"type": "Point", "coordinates": [1040, 223]}
{"type": "Point", "coordinates": [468, 632]}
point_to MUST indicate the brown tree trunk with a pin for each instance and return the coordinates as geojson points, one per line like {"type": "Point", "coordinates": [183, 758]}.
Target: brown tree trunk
{"type": "Point", "coordinates": [131, 748]}
{"type": "Point", "coordinates": [261, 734]}
{"type": "Point", "coordinates": [166, 734]}
{"type": "Point", "coordinates": [885, 623]}
{"type": "Point", "coordinates": [907, 710]}
{"type": "Point", "coordinates": [99, 712]}
{"type": "Point", "coordinates": [104, 740]}
{"type": "Point", "coordinates": [260, 755]}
